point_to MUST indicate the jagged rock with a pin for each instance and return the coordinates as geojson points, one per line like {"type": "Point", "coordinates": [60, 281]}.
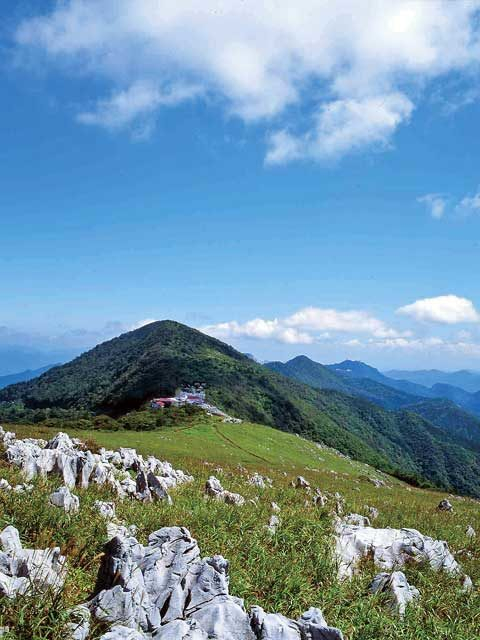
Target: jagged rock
{"type": "Point", "coordinates": [63, 498]}
{"type": "Point", "coordinates": [166, 591]}
{"type": "Point", "coordinates": [214, 489]}
{"type": "Point", "coordinates": [114, 529]}
{"type": "Point", "coordinates": [106, 509]}
{"type": "Point", "coordinates": [28, 570]}
{"type": "Point", "coordinates": [357, 519]}
{"type": "Point", "coordinates": [301, 483]}
{"type": "Point", "coordinates": [470, 532]}
{"type": "Point", "coordinates": [467, 584]}
{"type": "Point", "coordinates": [445, 505]}
{"type": "Point", "coordinates": [260, 481]}
{"type": "Point", "coordinates": [319, 499]}
{"type": "Point", "coordinates": [275, 507]}
{"type": "Point", "coordinates": [377, 482]}
{"type": "Point", "coordinates": [389, 548]}
{"type": "Point", "coordinates": [339, 503]}
{"type": "Point", "coordinates": [79, 627]}
{"type": "Point", "coordinates": [10, 539]}
{"type": "Point", "coordinates": [273, 524]}
{"type": "Point", "coordinates": [314, 626]}
{"type": "Point", "coordinates": [5, 485]}
{"type": "Point", "coordinates": [23, 488]}
{"type": "Point", "coordinates": [372, 512]}
{"type": "Point", "coordinates": [181, 630]}
{"type": "Point", "coordinates": [68, 458]}
{"type": "Point", "coordinates": [400, 592]}
{"type": "Point", "coordinates": [274, 626]}
{"type": "Point", "coordinates": [119, 632]}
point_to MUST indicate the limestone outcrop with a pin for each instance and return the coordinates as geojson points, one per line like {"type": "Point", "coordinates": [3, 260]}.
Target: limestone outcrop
{"type": "Point", "coordinates": [166, 591]}
{"type": "Point", "coordinates": [76, 465]}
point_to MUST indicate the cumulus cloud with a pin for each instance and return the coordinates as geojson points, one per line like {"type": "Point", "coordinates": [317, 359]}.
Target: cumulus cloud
{"type": "Point", "coordinates": [318, 319]}
{"type": "Point", "coordinates": [353, 70]}
{"type": "Point", "coordinates": [435, 203]}
{"type": "Point", "coordinates": [448, 309]}
{"type": "Point", "coordinates": [259, 329]}
{"type": "Point", "coordinates": [342, 126]}
{"type": "Point", "coordinates": [306, 326]}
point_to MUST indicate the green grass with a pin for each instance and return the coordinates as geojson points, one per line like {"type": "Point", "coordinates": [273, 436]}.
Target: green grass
{"type": "Point", "coordinates": [288, 573]}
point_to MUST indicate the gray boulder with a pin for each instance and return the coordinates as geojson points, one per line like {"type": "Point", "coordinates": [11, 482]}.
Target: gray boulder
{"type": "Point", "coordinates": [396, 585]}
{"type": "Point", "coordinates": [389, 548]}
{"type": "Point", "coordinates": [28, 570]}
{"type": "Point", "coordinates": [214, 489]}
{"type": "Point", "coordinates": [166, 591]}
{"type": "Point", "coordinates": [64, 499]}
{"type": "Point", "coordinates": [445, 505]}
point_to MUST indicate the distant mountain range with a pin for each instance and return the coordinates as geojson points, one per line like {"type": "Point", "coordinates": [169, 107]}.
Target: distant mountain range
{"type": "Point", "coordinates": [466, 380]}
{"type": "Point", "coordinates": [452, 411]}
{"type": "Point", "coordinates": [124, 373]}
{"type": "Point", "coordinates": [23, 376]}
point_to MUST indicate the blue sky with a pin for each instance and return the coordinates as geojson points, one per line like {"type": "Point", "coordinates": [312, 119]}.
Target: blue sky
{"type": "Point", "coordinates": [274, 177]}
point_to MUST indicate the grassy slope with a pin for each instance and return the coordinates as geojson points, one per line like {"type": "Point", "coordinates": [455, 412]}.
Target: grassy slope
{"type": "Point", "coordinates": [289, 573]}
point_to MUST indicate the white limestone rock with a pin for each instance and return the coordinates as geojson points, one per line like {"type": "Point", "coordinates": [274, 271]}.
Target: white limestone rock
{"type": "Point", "coordinates": [166, 591]}
{"type": "Point", "coordinates": [470, 532]}
{"type": "Point", "coordinates": [106, 509]}
{"type": "Point", "coordinates": [273, 524]}
{"type": "Point", "coordinates": [66, 500]}
{"type": "Point", "coordinates": [401, 593]}
{"type": "Point", "coordinates": [259, 481]}
{"type": "Point", "coordinates": [28, 570]}
{"type": "Point", "coordinates": [445, 505]}
{"type": "Point", "coordinates": [301, 483]}
{"type": "Point", "coordinates": [67, 457]}
{"type": "Point", "coordinates": [214, 489]}
{"type": "Point", "coordinates": [357, 520]}
{"type": "Point", "coordinates": [5, 485]}
{"type": "Point", "coordinates": [389, 548]}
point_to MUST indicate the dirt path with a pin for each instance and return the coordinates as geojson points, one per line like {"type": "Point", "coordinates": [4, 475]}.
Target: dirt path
{"type": "Point", "coordinates": [237, 446]}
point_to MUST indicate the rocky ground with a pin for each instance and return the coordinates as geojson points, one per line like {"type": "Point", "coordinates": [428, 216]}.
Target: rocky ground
{"type": "Point", "coordinates": [107, 538]}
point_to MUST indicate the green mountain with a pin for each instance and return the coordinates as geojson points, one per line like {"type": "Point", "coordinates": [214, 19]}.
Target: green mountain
{"type": "Point", "coordinates": [347, 377]}
{"type": "Point", "coordinates": [123, 373]}
{"type": "Point", "coordinates": [447, 415]}
{"type": "Point", "coordinates": [341, 378]}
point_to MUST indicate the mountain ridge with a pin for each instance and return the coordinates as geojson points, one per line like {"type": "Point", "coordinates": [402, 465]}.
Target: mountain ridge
{"type": "Point", "coordinates": [122, 374]}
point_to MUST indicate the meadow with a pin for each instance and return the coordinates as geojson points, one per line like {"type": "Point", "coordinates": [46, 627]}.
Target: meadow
{"type": "Point", "coordinates": [287, 572]}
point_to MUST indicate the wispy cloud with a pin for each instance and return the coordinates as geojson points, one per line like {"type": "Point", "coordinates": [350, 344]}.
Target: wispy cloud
{"type": "Point", "coordinates": [436, 204]}
{"type": "Point", "coordinates": [352, 69]}
{"type": "Point", "coordinates": [469, 204]}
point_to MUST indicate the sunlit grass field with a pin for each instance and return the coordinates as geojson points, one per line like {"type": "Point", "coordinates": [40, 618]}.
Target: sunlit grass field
{"type": "Point", "coordinates": [287, 572]}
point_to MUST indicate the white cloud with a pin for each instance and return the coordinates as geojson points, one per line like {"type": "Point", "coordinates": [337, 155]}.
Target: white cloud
{"type": "Point", "coordinates": [448, 309]}
{"type": "Point", "coordinates": [342, 126]}
{"type": "Point", "coordinates": [306, 326]}
{"type": "Point", "coordinates": [470, 204]}
{"type": "Point", "coordinates": [141, 323]}
{"type": "Point", "coordinates": [436, 204]}
{"type": "Point", "coordinates": [260, 329]}
{"type": "Point", "coordinates": [318, 319]}
{"type": "Point", "coordinates": [136, 105]}
{"type": "Point", "coordinates": [353, 69]}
